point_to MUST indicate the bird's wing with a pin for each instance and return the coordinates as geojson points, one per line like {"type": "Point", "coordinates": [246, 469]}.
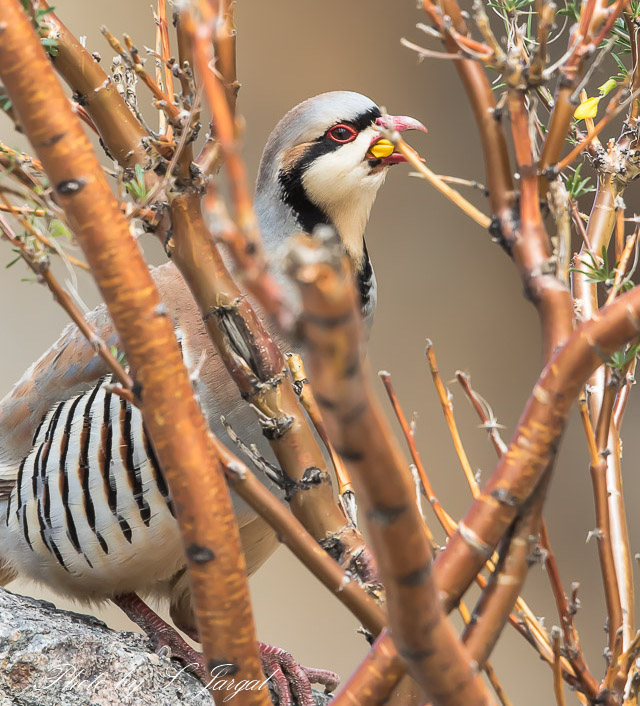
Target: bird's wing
{"type": "Point", "coordinates": [69, 367]}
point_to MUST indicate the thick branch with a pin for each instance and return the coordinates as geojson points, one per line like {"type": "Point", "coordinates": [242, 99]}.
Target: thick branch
{"type": "Point", "coordinates": [257, 365]}
{"type": "Point", "coordinates": [173, 418]}
{"type": "Point", "coordinates": [331, 324]}
{"type": "Point", "coordinates": [119, 129]}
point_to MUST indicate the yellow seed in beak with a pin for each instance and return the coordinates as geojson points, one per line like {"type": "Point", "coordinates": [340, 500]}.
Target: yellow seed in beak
{"type": "Point", "coordinates": [381, 148]}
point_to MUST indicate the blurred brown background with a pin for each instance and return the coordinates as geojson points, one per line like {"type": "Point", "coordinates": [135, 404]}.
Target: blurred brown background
{"type": "Point", "coordinates": [439, 275]}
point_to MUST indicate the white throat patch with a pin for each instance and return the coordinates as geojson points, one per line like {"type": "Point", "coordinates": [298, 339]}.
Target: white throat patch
{"type": "Point", "coordinates": [342, 185]}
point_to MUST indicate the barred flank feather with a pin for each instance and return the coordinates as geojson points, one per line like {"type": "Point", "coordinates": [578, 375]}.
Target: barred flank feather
{"type": "Point", "coordinates": [90, 496]}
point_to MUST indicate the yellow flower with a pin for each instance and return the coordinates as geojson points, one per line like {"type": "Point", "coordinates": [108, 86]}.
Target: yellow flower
{"type": "Point", "coordinates": [587, 109]}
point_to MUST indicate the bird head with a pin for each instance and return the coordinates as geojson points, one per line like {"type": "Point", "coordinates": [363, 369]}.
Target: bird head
{"type": "Point", "coordinates": [323, 165]}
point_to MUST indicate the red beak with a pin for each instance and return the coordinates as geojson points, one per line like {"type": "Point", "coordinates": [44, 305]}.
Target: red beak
{"type": "Point", "coordinates": [399, 123]}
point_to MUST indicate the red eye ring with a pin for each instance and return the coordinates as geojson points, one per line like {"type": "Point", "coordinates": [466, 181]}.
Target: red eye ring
{"type": "Point", "coordinates": [342, 133]}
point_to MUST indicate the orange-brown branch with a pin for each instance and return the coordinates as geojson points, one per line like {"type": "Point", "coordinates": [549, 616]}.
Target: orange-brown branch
{"type": "Point", "coordinates": [262, 379]}
{"type": "Point", "coordinates": [331, 323]}
{"type": "Point", "coordinates": [120, 130]}
{"type": "Point", "coordinates": [173, 417]}
{"type": "Point", "coordinates": [598, 468]}
{"type": "Point", "coordinates": [534, 444]}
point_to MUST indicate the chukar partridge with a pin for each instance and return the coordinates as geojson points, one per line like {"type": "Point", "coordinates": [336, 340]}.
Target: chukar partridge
{"type": "Point", "coordinates": [84, 507]}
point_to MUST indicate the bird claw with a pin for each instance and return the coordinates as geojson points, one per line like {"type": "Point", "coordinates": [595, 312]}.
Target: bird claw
{"type": "Point", "coordinates": [164, 652]}
{"type": "Point", "coordinates": [291, 679]}
{"type": "Point", "coordinates": [164, 638]}
{"type": "Point", "coordinates": [172, 646]}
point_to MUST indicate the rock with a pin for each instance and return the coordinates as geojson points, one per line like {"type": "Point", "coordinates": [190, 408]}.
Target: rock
{"type": "Point", "coordinates": [50, 657]}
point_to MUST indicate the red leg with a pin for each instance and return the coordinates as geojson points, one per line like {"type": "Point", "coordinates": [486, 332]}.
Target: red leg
{"type": "Point", "coordinates": [162, 635]}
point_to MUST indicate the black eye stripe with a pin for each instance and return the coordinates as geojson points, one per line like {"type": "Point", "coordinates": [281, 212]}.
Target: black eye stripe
{"type": "Point", "coordinates": [366, 119]}
{"type": "Point", "coordinates": [361, 122]}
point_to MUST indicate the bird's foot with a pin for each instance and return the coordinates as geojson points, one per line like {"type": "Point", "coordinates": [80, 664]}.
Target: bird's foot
{"type": "Point", "coordinates": [291, 679]}
{"type": "Point", "coordinates": [164, 638]}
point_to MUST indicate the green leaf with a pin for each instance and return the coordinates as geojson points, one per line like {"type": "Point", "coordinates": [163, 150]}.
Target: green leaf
{"type": "Point", "coordinates": [576, 186]}
{"type": "Point", "coordinates": [120, 356]}
{"type": "Point", "coordinates": [596, 272]}
{"type": "Point", "coordinates": [57, 229]}
{"type": "Point", "coordinates": [621, 358]}
{"type": "Point", "coordinates": [51, 45]}
{"type": "Point", "coordinates": [623, 71]}
{"type": "Point", "coordinates": [136, 186]}
{"type": "Point", "coordinates": [40, 13]}
{"type": "Point", "coordinates": [571, 10]}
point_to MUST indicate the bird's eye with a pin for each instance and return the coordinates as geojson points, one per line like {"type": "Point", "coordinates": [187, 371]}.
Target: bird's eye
{"type": "Point", "coordinates": [342, 133]}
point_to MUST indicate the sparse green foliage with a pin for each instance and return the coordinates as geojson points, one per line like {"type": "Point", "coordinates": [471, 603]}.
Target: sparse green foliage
{"type": "Point", "coordinates": [49, 43]}
{"type": "Point", "coordinates": [577, 186]}
{"type": "Point", "coordinates": [599, 271]}
{"type": "Point", "coordinates": [136, 187]}
{"type": "Point", "coordinates": [623, 71]}
{"type": "Point", "coordinates": [622, 358]}
{"type": "Point", "coordinates": [571, 10]}
{"type": "Point", "coordinates": [15, 259]}
{"type": "Point", "coordinates": [620, 32]}
{"type": "Point", "coordinates": [510, 6]}
{"type": "Point", "coordinates": [509, 9]}
{"type": "Point", "coordinates": [40, 13]}
{"type": "Point", "coordinates": [57, 229]}
{"type": "Point", "coordinates": [120, 356]}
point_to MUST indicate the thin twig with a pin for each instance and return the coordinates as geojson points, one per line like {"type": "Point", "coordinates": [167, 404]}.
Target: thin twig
{"type": "Point", "coordinates": [484, 412]}
{"type": "Point", "coordinates": [447, 408]}
{"type": "Point", "coordinates": [15, 212]}
{"type": "Point", "coordinates": [558, 688]}
{"type": "Point", "coordinates": [621, 267]}
{"type": "Point", "coordinates": [454, 196]}
{"type": "Point", "coordinates": [603, 534]}
{"type": "Point", "coordinates": [308, 400]}
{"type": "Point", "coordinates": [40, 267]}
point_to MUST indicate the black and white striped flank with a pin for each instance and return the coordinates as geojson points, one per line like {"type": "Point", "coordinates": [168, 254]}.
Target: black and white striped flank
{"type": "Point", "coordinates": [90, 498]}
